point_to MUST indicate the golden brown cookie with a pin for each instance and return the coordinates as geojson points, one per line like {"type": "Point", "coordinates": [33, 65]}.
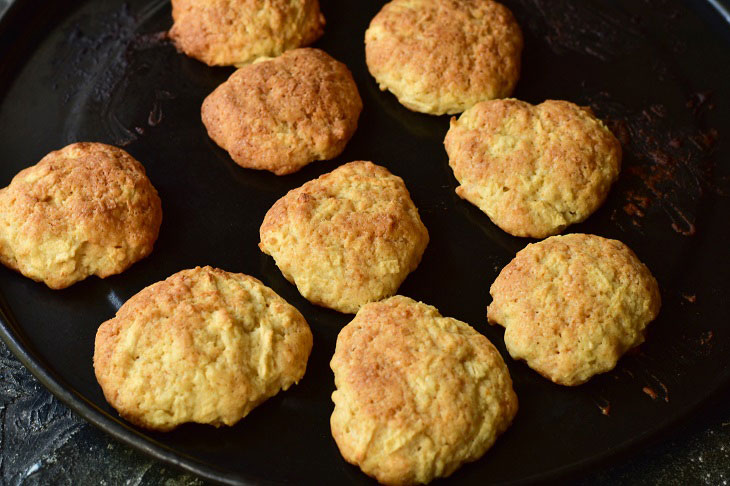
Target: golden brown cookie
{"type": "Point", "coordinates": [443, 56]}
{"type": "Point", "coordinates": [236, 32]}
{"type": "Point", "coordinates": [281, 114]}
{"type": "Point", "coordinates": [533, 169]}
{"type": "Point", "coordinates": [203, 346]}
{"type": "Point", "coordinates": [572, 305]}
{"type": "Point", "coordinates": [418, 394]}
{"type": "Point", "coordinates": [87, 209]}
{"type": "Point", "coordinates": [347, 238]}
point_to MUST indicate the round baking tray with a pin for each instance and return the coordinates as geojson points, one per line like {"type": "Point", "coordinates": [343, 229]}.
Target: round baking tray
{"type": "Point", "coordinates": [657, 71]}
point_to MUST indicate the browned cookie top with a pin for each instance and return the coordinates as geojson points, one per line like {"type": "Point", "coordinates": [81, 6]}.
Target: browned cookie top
{"type": "Point", "coordinates": [443, 56]}
{"type": "Point", "coordinates": [87, 209]}
{"type": "Point", "coordinates": [281, 114]}
{"type": "Point", "coordinates": [236, 32]}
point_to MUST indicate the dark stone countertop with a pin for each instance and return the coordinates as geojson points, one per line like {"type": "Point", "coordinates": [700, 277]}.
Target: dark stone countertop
{"type": "Point", "coordinates": [43, 442]}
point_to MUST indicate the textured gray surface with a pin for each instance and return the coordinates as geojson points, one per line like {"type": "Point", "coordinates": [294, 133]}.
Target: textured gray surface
{"type": "Point", "coordinates": [43, 442]}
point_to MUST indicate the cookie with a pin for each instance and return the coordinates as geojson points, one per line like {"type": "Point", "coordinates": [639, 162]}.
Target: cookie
{"type": "Point", "coordinates": [204, 346]}
{"type": "Point", "coordinates": [418, 394]}
{"type": "Point", "coordinates": [87, 209]}
{"type": "Point", "coordinates": [443, 56]}
{"type": "Point", "coordinates": [347, 238]}
{"type": "Point", "coordinates": [236, 32]}
{"type": "Point", "coordinates": [572, 305]}
{"type": "Point", "coordinates": [533, 169]}
{"type": "Point", "coordinates": [281, 114]}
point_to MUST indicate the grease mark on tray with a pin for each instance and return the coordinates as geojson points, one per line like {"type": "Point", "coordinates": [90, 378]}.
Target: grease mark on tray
{"type": "Point", "coordinates": [706, 339]}
{"type": "Point", "coordinates": [651, 390]}
{"type": "Point", "coordinates": [155, 116]}
{"type": "Point", "coordinates": [691, 298]}
{"type": "Point", "coordinates": [105, 87]}
{"type": "Point", "coordinates": [604, 406]}
{"type": "Point", "coordinates": [582, 28]}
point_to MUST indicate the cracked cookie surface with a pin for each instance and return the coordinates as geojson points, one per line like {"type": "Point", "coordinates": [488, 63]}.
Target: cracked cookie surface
{"type": "Point", "coordinates": [418, 394]}
{"type": "Point", "coordinates": [533, 169]}
{"type": "Point", "coordinates": [443, 56]}
{"type": "Point", "coordinates": [237, 32]}
{"type": "Point", "coordinates": [284, 113]}
{"type": "Point", "coordinates": [347, 238]}
{"type": "Point", "coordinates": [572, 305]}
{"type": "Point", "coordinates": [203, 346]}
{"type": "Point", "coordinates": [86, 209]}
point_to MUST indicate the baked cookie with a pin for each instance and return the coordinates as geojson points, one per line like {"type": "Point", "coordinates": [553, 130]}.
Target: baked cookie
{"type": "Point", "coordinates": [443, 56]}
{"type": "Point", "coordinates": [572, 305]}
{"type": "Point", "coordinates": [87, 209]}
{"type": "Point", "coordinates": [203, 346]}
{"type": "Point", "coordinates": [533, 169]}
{"type": "Point", "coordinates": [236, 32]}
{"type": "Point", "coordinates": [347, 238]}
{"type": "Point", "coordinates": [281, 114]}
{"type": "Point", "coordinates": [418, 394]}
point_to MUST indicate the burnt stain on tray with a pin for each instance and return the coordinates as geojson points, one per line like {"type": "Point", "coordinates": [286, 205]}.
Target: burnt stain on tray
{"type": "Point", "coordinates": [581, 27]}
{"type": "Point", "coordinates": [669, 168]}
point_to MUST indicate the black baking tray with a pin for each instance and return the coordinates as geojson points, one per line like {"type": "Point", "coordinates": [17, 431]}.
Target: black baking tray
{"type": "Point", "coordinates": [656, 70]}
